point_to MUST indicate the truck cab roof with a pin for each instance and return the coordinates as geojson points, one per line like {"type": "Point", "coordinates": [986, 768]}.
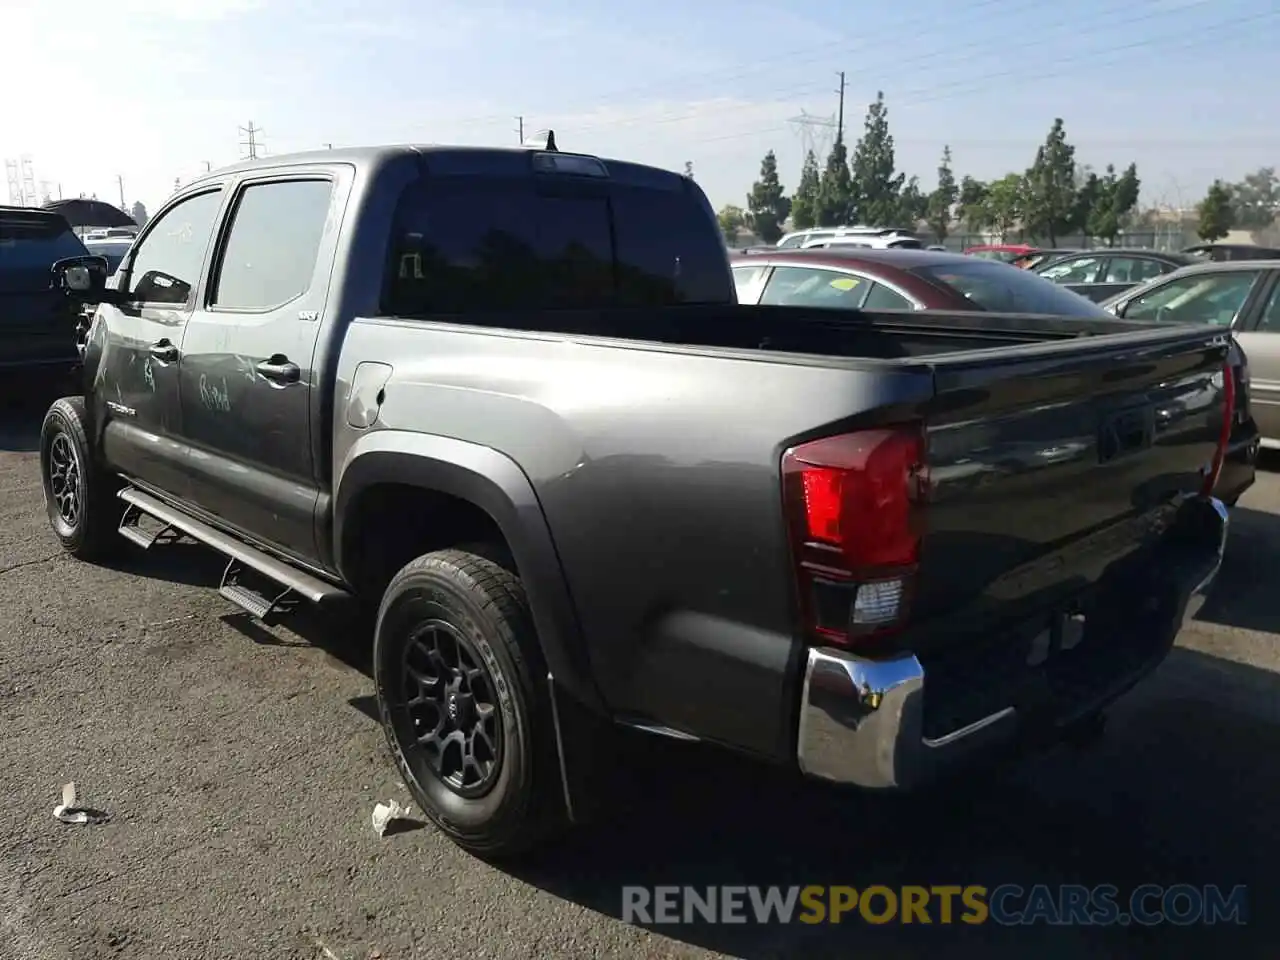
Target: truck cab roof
{"type": "Point", "coordinates": [452, 160]}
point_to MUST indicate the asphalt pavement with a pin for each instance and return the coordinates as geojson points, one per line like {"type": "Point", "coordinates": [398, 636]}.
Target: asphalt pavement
{"type": "Point", "coordinates": [240, 765]}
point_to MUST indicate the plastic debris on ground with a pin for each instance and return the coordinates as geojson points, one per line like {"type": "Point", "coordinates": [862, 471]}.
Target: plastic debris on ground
{"type": "Point", "coordinates": [384, 813]}
{"type": "Point", "coordinates": [68, 812]}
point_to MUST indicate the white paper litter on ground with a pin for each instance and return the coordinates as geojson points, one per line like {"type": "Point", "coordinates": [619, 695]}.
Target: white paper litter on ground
{"type": "Point", "coordinates": [68, 812]}
{"type": "Point", "coordinates": [384, 813]}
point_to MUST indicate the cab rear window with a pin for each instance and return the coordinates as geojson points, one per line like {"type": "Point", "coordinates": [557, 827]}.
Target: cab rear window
{"type": "Point", "coordinates": [480, 244]}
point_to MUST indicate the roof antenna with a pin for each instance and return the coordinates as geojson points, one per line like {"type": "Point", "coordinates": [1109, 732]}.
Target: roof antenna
{"type": "Point", "coordinates": [543, 140]}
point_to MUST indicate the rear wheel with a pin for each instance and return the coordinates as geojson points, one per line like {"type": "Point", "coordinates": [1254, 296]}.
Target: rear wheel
{"type": "Point", "coordinates": [456, 668]}
{"type": "Point", "coordinates": [79, 496]}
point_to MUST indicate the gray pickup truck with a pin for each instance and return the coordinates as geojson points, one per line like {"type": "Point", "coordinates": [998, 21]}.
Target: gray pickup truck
{"type": "Point", "coordinates": [507, 399]}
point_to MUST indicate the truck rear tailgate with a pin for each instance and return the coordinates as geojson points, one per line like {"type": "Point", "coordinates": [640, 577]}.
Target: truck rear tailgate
{"type": "Point", "coordinates": [1031, 450]}
{"type": "Point", "coordinates": [1050, 469]}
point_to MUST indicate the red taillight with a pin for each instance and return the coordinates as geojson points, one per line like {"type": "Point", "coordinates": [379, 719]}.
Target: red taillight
{"type": "Point", "coordinates": [1224, 433]}
{"type": "Point", "coordinates": [851, 503]}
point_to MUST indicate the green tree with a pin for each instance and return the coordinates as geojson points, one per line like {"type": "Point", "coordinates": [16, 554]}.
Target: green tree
{"type": "Point", "coordinates": [835, 190]}
{"type": "Point", "coordinates": [1088, 195]}
{"type": "Point", "coordinates": [943, 199]}
{"type": "Point", "coordinates": [972, 208]}
{"type": "Point", "coordinates": [1217, 216]}
{"type": "Point", "coordinates": [804, 205]}
{"type": "Point", "coordinates": [876, 186]}
{"type": "Point", "coordinates": [1128, 188]}
{"type": "Point", "coordinates": [767, 203]}
{"type": "Point", "coordinates": [1050, 195]}
{"type": "Point", "coordinates": [732, 220]}
{"type": "Point", "coordinates": [139, 213]}
{"type": "Point", "coordinates": [913, 204]}
{"type": "Point", "coordinates": [1101, 219]}
{"type": "Point", "coordinates": [1256, 199]}
{"type": "Point", "coordinates": [1005, 203]}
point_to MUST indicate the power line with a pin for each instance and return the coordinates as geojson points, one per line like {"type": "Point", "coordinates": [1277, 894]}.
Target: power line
{"type": "Point", "coordinates": [765, 65]}
{"type": "Point", "coordinates": [946, 53]}
{"type": "Point", "coordinates": [251, 143]}
{"type": "Point", "coordinates": [945, 91]}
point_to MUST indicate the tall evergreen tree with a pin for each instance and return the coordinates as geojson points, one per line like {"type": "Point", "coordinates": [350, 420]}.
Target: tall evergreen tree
{"type": "Point", "coordinates": [1049, 198]}
{"type": "Point", "coordinates": [943, 199]}
{"type": "Point", "coordinates": [876, 185]}
{"type": "Point", "coordinates": [972, 209]}
{"type": "Point", "coordinates": [804, 205]}
{"type": "Point", "coordinates": [835, 190]}
{"type": "Point", "coordinates": [1217, 215]}
{"type": "Point", "coordinates": [767, 204]}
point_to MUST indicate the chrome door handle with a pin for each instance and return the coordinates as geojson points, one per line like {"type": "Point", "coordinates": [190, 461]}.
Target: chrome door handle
{"type": "Point", "coordinates": [280, 370]}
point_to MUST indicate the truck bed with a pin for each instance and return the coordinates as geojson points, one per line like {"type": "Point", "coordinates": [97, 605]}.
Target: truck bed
{"type": "Point", "coordinates": [653, 441]}
{"type": "Point", "coordinates": [871, 335]}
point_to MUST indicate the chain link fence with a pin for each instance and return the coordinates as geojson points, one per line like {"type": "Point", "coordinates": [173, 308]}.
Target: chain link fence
{"type": "Point", "coordinates": [1170, 238]}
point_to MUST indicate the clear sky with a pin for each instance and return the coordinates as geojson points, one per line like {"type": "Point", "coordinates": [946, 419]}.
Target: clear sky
{"type": "Point", "coordinates": [151, 90]}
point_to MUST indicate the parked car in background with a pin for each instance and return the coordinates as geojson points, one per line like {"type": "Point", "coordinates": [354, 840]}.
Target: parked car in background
{"type": "Point", "coordinates": [889, 240]}
{"type": "Point", "coordinates": [38, 324]}
{"type": "Point", "coordinates": [1240, 295]}
{"type": "Point", "coordinates": [1232, 251]}
{"type": "Point", "coordinates": [851, 279]}
{"type": "Point", "coordinates": [112, 250]}
{"type": "Point", "coordinates": [1100, 274]}
{"type": "Point", "coordinates": [111, 233]}
{"type": "Point", "coordinates": [800, 238]}
{"type": "Point", "coordinates": [1038, 257]}
{"type": "Point", "coordinates": [1004, 252]}
{"type": "Point", "coordinates": [845, 278]}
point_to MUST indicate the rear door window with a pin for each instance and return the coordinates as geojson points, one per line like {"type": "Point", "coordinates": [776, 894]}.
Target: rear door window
{"type": "Point", "coordinates": [747, 281]}
{"type": "Point", "coordinates": [1213, 298]}
{"type": "Point", "coordinates": [1134, 269]}
{"type": "Point", "coordinates": [1080, 270]}
{"type": "Point", "coordinates": [883, 298]}
{"type": "Point", "coordinates": [814, 287]}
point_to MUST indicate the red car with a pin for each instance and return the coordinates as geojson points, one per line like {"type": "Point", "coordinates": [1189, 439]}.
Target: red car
{"type": "Point", "coordinates": [1004, 252]}
{"type": "Point", "coordinates": [900, 280]}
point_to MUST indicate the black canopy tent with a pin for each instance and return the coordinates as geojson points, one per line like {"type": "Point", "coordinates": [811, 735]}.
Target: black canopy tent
{"type": "Point", "coordinates": [90, 213]}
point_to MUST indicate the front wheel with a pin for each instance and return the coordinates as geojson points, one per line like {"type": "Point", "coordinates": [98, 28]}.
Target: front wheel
{"type": "Point", "coordinates": [78, 495]}
{"type": "Point", "coordinates": [456, 670]}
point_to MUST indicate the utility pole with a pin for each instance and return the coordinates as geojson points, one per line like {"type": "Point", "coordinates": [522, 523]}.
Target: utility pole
{"type": "Point", "coordinates": [840, 112]}
{"type": "Point", "coordinates": [251, 142]}
{"type": "Point", "coordinates": [328, 146]}
{"type": "Point", "coordinates": [520, 128]}
{"type": "Point", "coordinates": [207, 165]}
{"type": "Point", "coordinates": [120, 183]}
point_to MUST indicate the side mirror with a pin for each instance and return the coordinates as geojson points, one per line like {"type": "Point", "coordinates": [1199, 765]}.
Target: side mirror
{"type": "Point", "coordinates": [83, 279]}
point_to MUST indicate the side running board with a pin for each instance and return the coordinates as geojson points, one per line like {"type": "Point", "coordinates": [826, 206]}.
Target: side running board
{"type": "Point", "coordinates": [241, 556]}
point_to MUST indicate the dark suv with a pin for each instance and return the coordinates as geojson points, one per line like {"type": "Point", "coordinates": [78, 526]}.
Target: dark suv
{"type": "Point", "coordinates": [38, 323]}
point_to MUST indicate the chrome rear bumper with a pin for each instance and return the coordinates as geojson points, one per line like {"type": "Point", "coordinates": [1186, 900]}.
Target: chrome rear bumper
{"type": "Point", "coordinates": [861, 721]}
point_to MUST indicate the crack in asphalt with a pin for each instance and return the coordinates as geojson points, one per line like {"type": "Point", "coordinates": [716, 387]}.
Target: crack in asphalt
{"type": "Point", "coordinates": [31, 563]}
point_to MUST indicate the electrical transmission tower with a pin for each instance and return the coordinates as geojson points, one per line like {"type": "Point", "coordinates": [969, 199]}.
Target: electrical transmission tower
{"type": "Point", "coordinates": [29, 196]}
{"type": "Point", "coordinates": [252, 141]}
{"type": "Point", "coordinates": [816, 133]}
{"type": "Point", "coordinates": [14, 177]}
